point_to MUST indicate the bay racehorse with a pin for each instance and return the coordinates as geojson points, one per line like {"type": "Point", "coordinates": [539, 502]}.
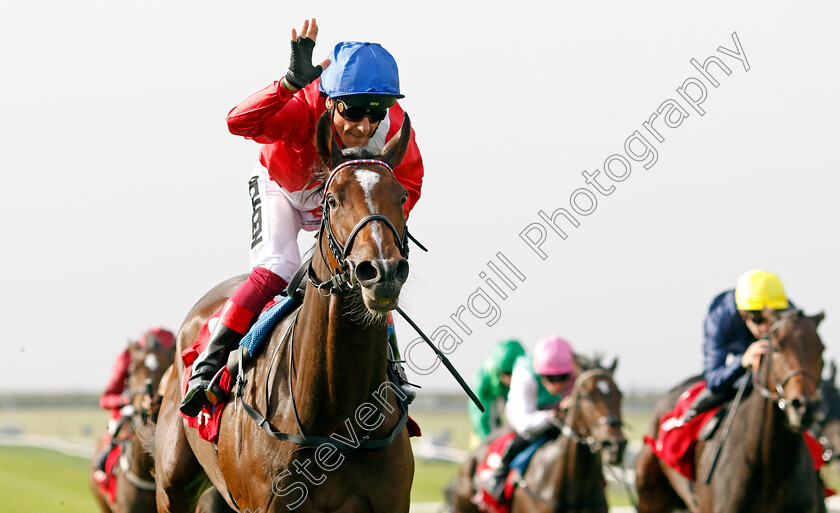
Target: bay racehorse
{"type": "Point", "coordinates": [333, 436]}
{"type": "Point", "coordinates": [135, 486]}
{"type": "Point", "coordinates": [763, 465]}
{"type": "Point", "coordinates": [826, 426]}
{"type": "Point", "coordinates": [565, 474]}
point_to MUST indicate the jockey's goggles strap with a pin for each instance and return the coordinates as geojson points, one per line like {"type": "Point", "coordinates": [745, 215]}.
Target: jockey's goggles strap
{"type": "Point", "coordinates": [341, 166]}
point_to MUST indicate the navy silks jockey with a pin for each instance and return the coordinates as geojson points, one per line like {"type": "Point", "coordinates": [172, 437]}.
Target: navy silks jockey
{"type": "Point", "coordinates": [359, 87]}
{"type": "Point", "coordinates": [735, 335]}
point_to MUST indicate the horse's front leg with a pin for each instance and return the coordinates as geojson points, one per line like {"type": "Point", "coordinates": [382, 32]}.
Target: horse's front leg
{"type": "Point", "coordinates": [179, 476]}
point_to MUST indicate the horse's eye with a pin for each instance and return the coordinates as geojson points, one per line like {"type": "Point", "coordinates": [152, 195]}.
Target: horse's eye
{"type": "Point", "coordinates": [404, 199]}
{"type": "Point", "coordinates": [331, 201]}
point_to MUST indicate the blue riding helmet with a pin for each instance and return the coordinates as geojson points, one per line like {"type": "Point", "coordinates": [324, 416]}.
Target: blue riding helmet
{"type": "Point", "coordinates": [360, 69]}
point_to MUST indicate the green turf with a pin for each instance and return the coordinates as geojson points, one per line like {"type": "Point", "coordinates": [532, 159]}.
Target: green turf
{"type": "Point", "coordinates": [43, 480]}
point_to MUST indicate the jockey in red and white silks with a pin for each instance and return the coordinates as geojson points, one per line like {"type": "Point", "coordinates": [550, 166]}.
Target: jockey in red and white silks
{"type": "Point", "coordinates": [359, 87]}
{"type": "Point", "coordinates": [277, 190]}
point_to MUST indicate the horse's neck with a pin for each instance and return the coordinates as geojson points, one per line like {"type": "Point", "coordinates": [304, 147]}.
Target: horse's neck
{"type": "Point", "coordinates": [140, 463]}
{"type": "Point", "coordinates": [338, 362]}
{"type": "Point", "coordinates": [577, 471]}
{"type": "Point", "coordinates": [771, 448]}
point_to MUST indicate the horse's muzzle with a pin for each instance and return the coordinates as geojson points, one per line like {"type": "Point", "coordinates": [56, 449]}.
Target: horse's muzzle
{"type": "Point", "coordinates": [613, 451]}
{"type": "Point", "coordinates": [801, 412]}
{"type": "Point", "coordinates": [381, 281]}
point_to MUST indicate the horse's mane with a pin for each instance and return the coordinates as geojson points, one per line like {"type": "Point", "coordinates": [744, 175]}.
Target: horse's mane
{"type": "Point", "coordinates": [320, 172]}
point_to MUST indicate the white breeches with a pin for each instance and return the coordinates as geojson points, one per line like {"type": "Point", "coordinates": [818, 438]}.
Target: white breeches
{"type": "Point", "coordinates": [278, 216]}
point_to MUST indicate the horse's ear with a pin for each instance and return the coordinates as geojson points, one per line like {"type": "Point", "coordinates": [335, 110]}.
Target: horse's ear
{"type": "Point", "coordinates": [613, 365]}
{"type": "Point", "coordinates": [328, 148]}
{"type": "Point", "coordinates": [818, 318]}
{"type": "Point", "coordinates": [394, 151]}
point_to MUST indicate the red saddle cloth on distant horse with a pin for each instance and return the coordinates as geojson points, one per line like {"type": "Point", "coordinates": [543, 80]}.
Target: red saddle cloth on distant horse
{"type": "Point", "coordinates": [486, 468]}
{"type": "Point", "coordinates": [676, 441]}
{"type": "Point", "coordinates": [209, 419]}
{"type": "Point", "coordinates": [108, 485]}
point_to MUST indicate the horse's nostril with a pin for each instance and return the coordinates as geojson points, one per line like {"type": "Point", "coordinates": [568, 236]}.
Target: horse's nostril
{"type": "Point", "coordinates": [401, 274]}
{"type": "Point", "coordinates": [366, 271]}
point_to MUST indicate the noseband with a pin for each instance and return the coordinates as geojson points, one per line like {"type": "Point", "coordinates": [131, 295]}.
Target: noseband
{"type": "Point", "coordinates": [778, 395]}
{"type": "Point", "coordinates": [342, 279]}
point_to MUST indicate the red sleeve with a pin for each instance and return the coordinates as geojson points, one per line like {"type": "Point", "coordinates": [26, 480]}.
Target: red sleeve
{"type": "Point", "coordinates": [410, 171]}
{"type": "Point", "coordinates": [112, 397]}
{"type": "Point", "coordinates": [273, 114]}
{"type": "Point", "coordinates": [410, 174]}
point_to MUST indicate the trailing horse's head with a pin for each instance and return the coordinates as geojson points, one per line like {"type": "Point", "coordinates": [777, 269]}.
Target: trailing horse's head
{"type": "Point", "coordinates": [791, 369]}
{"type": "Point", "coordinates": [145, 370]}
{"type": "Point", "coordinates": [363, 236]}
{"type": "Point", "coordinates": [597, 408]}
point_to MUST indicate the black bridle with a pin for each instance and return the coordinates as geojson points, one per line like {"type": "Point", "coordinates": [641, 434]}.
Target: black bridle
{"type": "Point", "coordinates": [342, 279]}
{"type": "Point", "coordinates": [594, 446]}
{"type": "Point", "coordinates": [610, 419]}
{"type": "Point", "coordinates": [767, 361]}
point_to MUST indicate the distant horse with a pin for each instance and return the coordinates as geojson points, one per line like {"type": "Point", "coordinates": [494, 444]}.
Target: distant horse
{"type": "Point", "coordinates": [826, 426]}
{"type": "Point", "coordinates": [565, 474]}
{"type": "Point", "coordinates": [764, 465]}
{"type": "Point", "coordinates": [135, 484]}
{"type": "Point", "coordinates": [336, 440]}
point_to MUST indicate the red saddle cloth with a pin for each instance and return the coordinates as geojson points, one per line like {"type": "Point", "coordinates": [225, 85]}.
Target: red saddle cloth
{"type": "Point", "coordinates": [209, 419]}
{"type": "Point", "coordinates": [485, 469]}
{"type": "Point", "coordinates": [676, 441]}
{"type": "Point", "coordinates": [108, 485]}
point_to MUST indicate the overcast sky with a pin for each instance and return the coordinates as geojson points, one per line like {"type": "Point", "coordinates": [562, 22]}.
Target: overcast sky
{"type": "Point", "coordinates": [125, 197]}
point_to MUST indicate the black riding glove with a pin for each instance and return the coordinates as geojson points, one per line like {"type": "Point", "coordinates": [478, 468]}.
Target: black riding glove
{"type": "Point", "coordinates": [301, 71]}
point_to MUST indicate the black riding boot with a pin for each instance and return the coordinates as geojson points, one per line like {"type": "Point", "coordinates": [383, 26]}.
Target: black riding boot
{"type": "Point", "coordinates": [496, 483]}
{"type": "Point", "coordinates": [399, 370]}
{"type": "Point", "coordinates": [199, 389]}
{"type": "Point", "coordinates": [706, 400]}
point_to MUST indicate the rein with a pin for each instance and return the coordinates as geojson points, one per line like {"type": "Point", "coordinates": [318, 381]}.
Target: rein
{"type": "Point", "coordinates": [302, 439]}
{"type": "Point", "coordinates": [343, 279]}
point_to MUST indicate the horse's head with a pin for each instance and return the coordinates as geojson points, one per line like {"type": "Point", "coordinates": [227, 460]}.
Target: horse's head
{"type": "Point", "coordinates": [791, 373]}
{"type": "Point", "coordinates": [363, 237]}
{"type": "Point", "coordinates": [596, 410]}
{"type": "Point", "coordinates": [148, 363]}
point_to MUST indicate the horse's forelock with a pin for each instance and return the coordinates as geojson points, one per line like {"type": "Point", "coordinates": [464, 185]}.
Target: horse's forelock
{"type": "Point", "coordinates": [320, 173]}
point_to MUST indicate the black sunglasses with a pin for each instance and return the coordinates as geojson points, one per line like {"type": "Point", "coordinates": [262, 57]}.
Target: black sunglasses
{"type": "Point", "coordinates": [355, 113]}
{"type": "Point", "coordinates": [756, 317]}
{"type": "Point", "coordinates": [556, 378]}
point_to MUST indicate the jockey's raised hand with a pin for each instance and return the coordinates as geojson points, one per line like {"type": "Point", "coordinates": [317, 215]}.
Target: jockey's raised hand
{"type": "Point", "coordinates": [301, 71]}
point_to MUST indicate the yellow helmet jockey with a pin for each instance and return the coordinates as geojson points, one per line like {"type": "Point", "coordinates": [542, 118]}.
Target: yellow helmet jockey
{"type": "Point", "coordinates": [758, 289]}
